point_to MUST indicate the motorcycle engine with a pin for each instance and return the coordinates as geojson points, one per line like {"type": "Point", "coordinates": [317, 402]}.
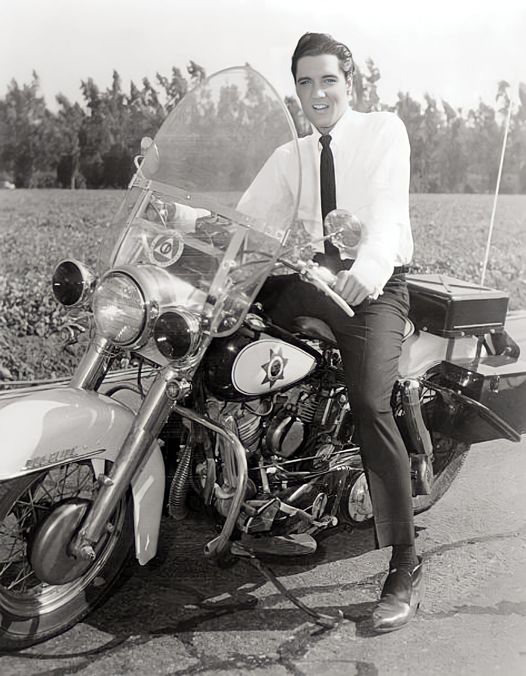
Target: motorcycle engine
{"type": "Point", "coordinates": [276, 425]}
{"type": "Point", "coordinates": [286, 430]}
{"type": "Point", "coordinates": [288, 434]}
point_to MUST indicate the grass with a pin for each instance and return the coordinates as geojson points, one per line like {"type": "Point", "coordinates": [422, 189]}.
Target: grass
{"type": "Point", "coordinates": [39, 227]}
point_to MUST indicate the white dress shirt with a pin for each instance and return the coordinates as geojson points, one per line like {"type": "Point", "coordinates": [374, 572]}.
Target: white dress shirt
{"type": "Point", "coordinates": [371, 160]}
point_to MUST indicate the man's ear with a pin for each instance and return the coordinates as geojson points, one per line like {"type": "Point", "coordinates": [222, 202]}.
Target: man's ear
{"type": "Point", "coordinates": [349, 88]}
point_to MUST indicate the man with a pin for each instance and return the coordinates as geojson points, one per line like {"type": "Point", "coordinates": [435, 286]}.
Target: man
{"type": "Point", "coordinates": [367, 156]}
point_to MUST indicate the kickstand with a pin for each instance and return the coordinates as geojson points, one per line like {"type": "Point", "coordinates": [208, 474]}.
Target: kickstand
{"type": "Point", "coordinates": [325, 621]}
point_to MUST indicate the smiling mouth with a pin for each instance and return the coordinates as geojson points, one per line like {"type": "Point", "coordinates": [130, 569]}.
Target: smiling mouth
{"type": "Point", "coordinates": [320, 106]}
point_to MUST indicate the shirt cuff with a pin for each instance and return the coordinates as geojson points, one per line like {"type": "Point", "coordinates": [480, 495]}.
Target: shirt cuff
{"type": "Point", "coordinates": [372, 272]}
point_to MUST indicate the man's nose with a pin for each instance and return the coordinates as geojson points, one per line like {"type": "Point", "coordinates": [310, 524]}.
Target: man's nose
{"type": "Point", "coordinates": [319, 92]}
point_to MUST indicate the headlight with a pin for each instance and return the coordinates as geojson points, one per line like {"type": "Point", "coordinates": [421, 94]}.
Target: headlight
{"type": "Point", "coordinates": [119, 309]}
{"type": "Point", "coordinates": [176, 333]}
{"type": "Point", "coordinates": [73, 283]}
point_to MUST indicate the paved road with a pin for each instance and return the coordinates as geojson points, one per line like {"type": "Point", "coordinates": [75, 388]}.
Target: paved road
{"type": "Point", "coordinates": [183, 616]}
{"type": "Point", "coordinates": [472, 621]}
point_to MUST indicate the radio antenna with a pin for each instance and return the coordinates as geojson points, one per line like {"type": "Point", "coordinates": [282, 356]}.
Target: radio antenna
{"type": "Point", "coordinates": [492, 220]}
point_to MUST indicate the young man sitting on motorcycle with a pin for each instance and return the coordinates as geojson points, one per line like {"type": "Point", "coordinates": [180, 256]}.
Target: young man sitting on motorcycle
{"type": "Point", "coordinates": [358, 162]}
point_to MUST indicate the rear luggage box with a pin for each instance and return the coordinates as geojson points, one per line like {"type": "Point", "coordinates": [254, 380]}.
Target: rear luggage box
{"type": "Point", "coordinates": [496, 382]}
{"type": "Point", "coordinates": [450, 307]}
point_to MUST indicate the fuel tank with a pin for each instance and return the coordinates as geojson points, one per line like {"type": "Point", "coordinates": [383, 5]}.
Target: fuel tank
{"type": "Point", "coordinates": [252, 363]}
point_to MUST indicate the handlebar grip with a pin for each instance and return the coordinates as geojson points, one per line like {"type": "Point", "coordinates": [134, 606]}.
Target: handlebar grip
{"type": "Point", "coordinates": [336, 298]}
{"type": "Point", "coordinates": [328, 291]}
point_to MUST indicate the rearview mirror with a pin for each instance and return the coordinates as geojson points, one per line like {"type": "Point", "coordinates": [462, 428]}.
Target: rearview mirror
{"type": "Point", "coordinates": [150, 153]}
{"type": "Point", "coordinates": [345, 230]}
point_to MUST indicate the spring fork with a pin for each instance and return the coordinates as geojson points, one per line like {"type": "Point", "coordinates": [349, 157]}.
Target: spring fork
{"type": "Point", "coordinates": [234, 457]}
{"type": "Point", "coordinates": [135, 450]}
{"type": "Point", "coordinates": [94, 364]}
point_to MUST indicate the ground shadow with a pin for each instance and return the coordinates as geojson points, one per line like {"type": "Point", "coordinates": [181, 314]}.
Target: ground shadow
{"type": "Point", "coordinates": [181, 589]}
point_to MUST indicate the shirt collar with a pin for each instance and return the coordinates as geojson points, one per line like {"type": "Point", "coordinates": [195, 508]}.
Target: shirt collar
{"type": "Point", "coordinates": [338, 130]}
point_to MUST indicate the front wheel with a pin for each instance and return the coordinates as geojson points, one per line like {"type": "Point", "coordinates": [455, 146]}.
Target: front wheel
{"type": "Point", "coordinates": [32, 610]}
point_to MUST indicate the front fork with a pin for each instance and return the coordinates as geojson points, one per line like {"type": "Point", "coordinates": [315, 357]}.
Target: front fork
{"type": "Point", "coordinates": [166, 390]}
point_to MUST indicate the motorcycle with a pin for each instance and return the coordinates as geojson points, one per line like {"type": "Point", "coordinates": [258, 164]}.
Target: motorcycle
{"type": "Point", "coordinates": [226, 410]}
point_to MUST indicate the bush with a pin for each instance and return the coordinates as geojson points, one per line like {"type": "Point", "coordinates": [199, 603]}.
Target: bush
{"type": "Point", "coordinates": [43, 179]}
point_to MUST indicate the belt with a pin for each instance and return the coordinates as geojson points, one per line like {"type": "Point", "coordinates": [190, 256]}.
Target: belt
{"type": "Point", "coordinates": [335, 263]}
{"type": "Point", "coordinates": [397, 270]}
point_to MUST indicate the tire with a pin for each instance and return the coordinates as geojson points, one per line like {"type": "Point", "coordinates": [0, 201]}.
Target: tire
{"type": "Point", "coordinates": [32, 611]}
{"type": "Point", "coordinates": [448, 458]}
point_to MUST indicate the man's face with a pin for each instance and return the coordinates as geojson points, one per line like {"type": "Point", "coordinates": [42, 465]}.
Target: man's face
{"type": "Point", "coordinates": [322, 90]}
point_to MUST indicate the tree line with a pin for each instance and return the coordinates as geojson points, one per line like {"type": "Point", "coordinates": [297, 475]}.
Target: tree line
{"type": "Point", "coordinates": [93, 145]}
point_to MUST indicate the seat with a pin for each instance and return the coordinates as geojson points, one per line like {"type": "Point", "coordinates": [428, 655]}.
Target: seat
{"type": "Point", "coordinates": [312, 327]}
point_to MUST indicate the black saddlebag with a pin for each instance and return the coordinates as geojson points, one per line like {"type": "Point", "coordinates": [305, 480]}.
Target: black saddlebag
{"type": "Point", "coordinates": [481, 401]}
{"type": "Point", "coordinates": [450, 307]}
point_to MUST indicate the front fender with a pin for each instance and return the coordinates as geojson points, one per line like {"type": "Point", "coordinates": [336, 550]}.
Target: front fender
{"type": "Point", "coordinates": [62, 425]}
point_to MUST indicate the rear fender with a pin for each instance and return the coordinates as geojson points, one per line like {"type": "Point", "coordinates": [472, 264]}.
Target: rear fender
{"type": "Point", "coordinates": [422, 350]}
{"type": "Point", "coordinates": [61, 425]}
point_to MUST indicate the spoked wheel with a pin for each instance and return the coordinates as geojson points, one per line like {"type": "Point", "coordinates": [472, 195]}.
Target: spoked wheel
{"type": "Point", "coordinates": [32, 610]}
{"type": "Point", "coordinates": [448, 455]}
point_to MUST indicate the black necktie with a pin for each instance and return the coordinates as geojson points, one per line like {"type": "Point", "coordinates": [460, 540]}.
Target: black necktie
{"type": "Point", "coordinates": [327, 188]}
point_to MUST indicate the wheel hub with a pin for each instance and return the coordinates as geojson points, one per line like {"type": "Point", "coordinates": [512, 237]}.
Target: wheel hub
{"type": "Point", "coordinates": [359, 505]}
{"type": "Point", "coordinates": [50, 549]}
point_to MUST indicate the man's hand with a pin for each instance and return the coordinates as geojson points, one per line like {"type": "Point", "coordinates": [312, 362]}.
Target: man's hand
{"type": "Point", "coordinates": [351, 289]}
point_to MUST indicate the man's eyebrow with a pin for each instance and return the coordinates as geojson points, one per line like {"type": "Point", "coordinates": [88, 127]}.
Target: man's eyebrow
{"type": "Point", "coordinates": [309, 77]}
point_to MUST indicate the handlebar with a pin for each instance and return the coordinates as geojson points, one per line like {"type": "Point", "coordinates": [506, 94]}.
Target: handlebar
{"type": "Point", "coordinates": [323, 279]}
{"type": "Point", "coordinates": [314, 274]}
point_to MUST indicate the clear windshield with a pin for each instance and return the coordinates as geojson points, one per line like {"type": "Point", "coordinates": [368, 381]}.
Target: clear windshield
{"type": "Point", "coordinates": [212, 202]}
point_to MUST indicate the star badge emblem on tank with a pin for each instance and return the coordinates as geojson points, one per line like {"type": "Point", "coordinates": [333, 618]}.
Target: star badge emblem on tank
{"type": "Point", "coordinates": [274, 368]}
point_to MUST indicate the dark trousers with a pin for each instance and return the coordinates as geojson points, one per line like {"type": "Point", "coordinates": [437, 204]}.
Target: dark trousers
{"type": "Point", "coordinates": [370, 345]}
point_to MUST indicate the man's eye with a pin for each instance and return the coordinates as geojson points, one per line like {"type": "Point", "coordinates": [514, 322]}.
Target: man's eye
{"type": "Point", "coordinates": [330, 80]}
{"type": "Point", "coordinates": [303, 82]}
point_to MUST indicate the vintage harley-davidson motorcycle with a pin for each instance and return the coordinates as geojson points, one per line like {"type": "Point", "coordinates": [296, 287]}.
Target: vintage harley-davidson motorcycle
{"type": "Point", "coordinates": [226, 409]}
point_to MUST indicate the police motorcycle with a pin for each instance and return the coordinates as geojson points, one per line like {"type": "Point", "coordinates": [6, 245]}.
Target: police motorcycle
{"type": "Point", "coordinates": [226, 409]}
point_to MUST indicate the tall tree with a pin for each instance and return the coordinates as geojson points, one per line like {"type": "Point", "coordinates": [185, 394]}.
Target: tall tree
{"type": "Point", "coordinates": [451, 153]}
{"type": "Point", "coordinates": [410, 112]}
{"type": "Point", "coordinates": [431, 137]}
{"type": "Point", "coordinates": [29, 138]}
{"type": "Point", "coordinates": [301, 123]}
{"type": "Point", "coordinates": [519, 136]}
{"type": "Point", "coordinates": [364, 92]}
{"type": "Point", "coordinates": [71, 119]}
{"type": "Point", "coordinates": [483, 147]}
{"type": "Point", "coordinates": [174, 88]}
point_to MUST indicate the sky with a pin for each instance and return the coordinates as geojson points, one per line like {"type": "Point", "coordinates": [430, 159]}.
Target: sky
{"type": "Point", "coordinates": [456, 50]}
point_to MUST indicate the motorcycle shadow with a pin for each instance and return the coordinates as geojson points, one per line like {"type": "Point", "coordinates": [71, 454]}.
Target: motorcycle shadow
{"type": "Point", "coordinates": [181, 591]}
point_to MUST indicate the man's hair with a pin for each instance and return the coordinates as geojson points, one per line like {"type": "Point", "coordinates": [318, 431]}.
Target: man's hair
{"type": "Point", "coordinates": [314, 44]}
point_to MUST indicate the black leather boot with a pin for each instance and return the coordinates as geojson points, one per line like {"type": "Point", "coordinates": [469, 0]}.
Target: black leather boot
{"type": "Point", "coordinates": [400, 598]}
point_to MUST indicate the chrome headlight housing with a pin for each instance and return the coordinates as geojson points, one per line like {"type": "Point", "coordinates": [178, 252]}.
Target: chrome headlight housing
{"type": "Point", "coordinates": [119, 309]}
{"type": "Point", "coordinates": [73, 282]}
{"type": "Point", "coordinates": [176, 333]}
